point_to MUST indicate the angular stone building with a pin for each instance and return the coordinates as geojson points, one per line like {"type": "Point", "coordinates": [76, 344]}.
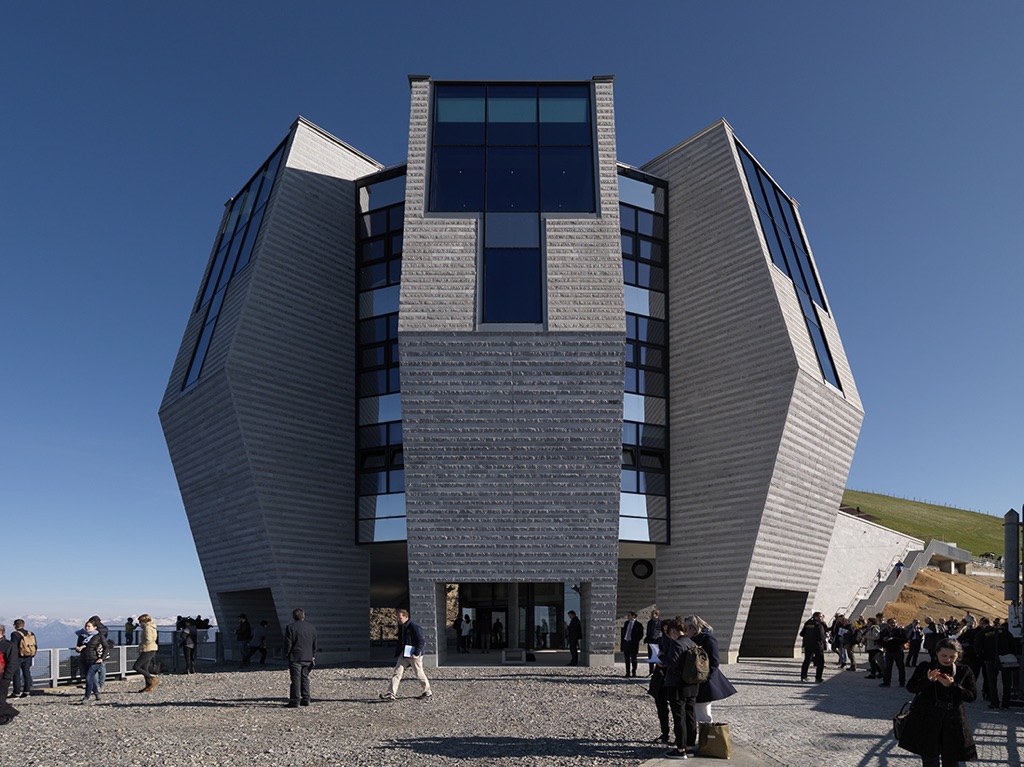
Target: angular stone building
{"type": "Point", "coordinates": [513, 365]}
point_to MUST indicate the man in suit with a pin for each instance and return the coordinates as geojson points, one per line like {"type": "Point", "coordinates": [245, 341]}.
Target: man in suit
{"type": "Point", "coordinates": [573, 635]}
{"type": "Point", "coordinates": [300, 650]}
{"type": "Point", "coordinates": [632, 636]}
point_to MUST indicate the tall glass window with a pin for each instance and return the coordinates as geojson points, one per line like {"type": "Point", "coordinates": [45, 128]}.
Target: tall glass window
{"type": "Point", "coordinates": [233, 251]}
{"type": "Point", "coordinates": [789, 252]}
{"type": "Point", "coordinates": [643, 515]}
{"type": "Point", "coordinates": [513, 152]}
{"type": "Point", "coordinates": [380, 468]}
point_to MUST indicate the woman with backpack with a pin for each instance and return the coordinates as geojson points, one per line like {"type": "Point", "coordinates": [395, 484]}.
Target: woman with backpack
{"type": "Point", "coordinates": [717, 687]}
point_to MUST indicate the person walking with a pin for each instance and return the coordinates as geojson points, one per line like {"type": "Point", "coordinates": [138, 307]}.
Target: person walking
{"type": "Point", "coordinates": [300, 650]}
{"type": "Point", "coordinates": [813, 636]}
{"type": "Point", "coordinates": [259, 643]}
{"type": "Point", "coordinates": [873, 643]}
{"type": "Point", "coordinates": [409, 654]}
{"type": "Point", "coordinates": [937, 727]}
{"type": "Point", "coordinates": [147, 651]}
{"type": "Point", "coordinates": [25, 645]}
{"type": "Point", "coordinates": [574, 635]}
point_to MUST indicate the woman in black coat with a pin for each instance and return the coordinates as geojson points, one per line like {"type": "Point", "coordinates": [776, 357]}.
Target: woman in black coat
{"type": "Point", "coordinates": [717, 687]}
{"type": "Point", "coordinates": [937, 726]}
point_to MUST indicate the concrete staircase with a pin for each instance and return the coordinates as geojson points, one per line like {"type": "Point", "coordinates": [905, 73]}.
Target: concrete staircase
{"type": "Point", "coordinates": [947, 556]}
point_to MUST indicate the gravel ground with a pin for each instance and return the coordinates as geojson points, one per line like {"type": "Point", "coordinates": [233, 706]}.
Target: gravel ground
{"type": "Point", "coordinates": [478, 717]}
{"type": "Point", "coordinates": [493, 716]}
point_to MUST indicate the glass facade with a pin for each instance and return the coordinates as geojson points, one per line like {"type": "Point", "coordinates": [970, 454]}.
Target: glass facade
{"type": "Point", "coordinates": [380, 466]}
{"type": "Point", "coordinates": [512, 152]}
{"type": "Point", "coordinates": [235, 241]}
{"type": "Point", "coordinates": [643, 512]}
{"type": "Point", "coordinates": [789, 252]}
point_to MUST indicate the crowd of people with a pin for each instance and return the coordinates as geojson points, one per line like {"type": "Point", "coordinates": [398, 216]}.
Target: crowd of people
{"type": "Point", "coordinates": [684, 670]}
{"type": "Point", "coordinates": [947, 658]}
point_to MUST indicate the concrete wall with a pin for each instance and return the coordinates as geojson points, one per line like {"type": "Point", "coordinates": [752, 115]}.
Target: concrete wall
{"type": "Point", "coordinates": [512, 438]}
{"type": "Point", "coordinates": [857, 552]}
{"type": "Point", "coordinates": [761, 445]}
{"type": "Point", "coordinates": [267, 484]}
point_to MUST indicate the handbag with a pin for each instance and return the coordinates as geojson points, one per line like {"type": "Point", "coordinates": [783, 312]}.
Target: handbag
{"type": "Point", "coordinates": [714, 740]}
{"type": "Point", "coordinates": [1008, 660]}
{"type": "Point", "coordinates": [657, 680]}
{"type": "Point", "coordinates": [900, 720]}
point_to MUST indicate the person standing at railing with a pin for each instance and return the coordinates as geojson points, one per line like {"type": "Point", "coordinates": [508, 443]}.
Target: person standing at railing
{"type": "Point", "coordinates": [147, 651]}
{"type": "Point", "coordinates": [25, 642]}
{"type": "Point", "coordinates": [129, 631]}
{"type": "Point", "coordinates": [189, 640]}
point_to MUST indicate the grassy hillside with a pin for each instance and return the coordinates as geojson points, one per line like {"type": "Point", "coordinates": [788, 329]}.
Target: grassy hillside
{"type": "Point", "coordinates": [970, 530]}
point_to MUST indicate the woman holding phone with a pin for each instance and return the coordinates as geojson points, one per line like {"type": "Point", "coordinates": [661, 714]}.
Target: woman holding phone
{"type": "Point", "coordinates": [937, 727]}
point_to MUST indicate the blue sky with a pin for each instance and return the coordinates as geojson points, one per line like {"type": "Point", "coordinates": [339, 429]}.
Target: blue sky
{"type": "Point", "coordinates": [127, 125]}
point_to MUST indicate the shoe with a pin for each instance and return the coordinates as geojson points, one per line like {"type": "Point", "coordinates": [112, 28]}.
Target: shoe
{"type": "Point", "coordinates": [819, 680]}
{"type": "Point", "coordinates": [97, 697]}
{"type": "Point", "coordinates": [387, 696]}
{"type": "Point", "coordinates": [663, 738]}
{"type": "Point", "coordinates": [803, 679]}
{"type": "Point", "coordinates": [885, 684]}
{"type": "Point", "coordinates": [425, 696]}
{"type": "Point", "coordinates": [291, 704]}
{"type": "Point", "coordinates": [675, 753]}
{"type": "Point", "coordinates": [303, 702]}
{"type": "Point", "coordinates": [155, 682]}
{"type": "Point", "coordinates": [871, 676]}
{"type": "Point", "coordinates": [23, 695]}
{"type": "Point", "coordinates": [851, 668]}
{"type": "Point", "coordinates": [993, 705]}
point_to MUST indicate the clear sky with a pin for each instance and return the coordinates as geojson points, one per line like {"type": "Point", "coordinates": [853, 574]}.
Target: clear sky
{"type": "Point", "coordinates": [126, 126]}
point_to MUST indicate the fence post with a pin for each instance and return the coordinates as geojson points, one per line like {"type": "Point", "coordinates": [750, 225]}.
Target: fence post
{"type": "Point", "coordinates": [54, 668]}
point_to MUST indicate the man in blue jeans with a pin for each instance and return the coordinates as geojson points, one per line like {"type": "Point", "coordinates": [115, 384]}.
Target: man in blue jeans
{"type": "Point", "coordinates": [25, 644]}
{"type": "Point", "coordinates": [300, 650]}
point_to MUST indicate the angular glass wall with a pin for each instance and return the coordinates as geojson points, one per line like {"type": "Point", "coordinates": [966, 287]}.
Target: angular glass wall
{"type": "Point", "coordinates": [380, 469]}
{"type": "Point", "coordinates": [789, 252]}
{"type": "Point", "coordinates": [512, 152]}
{"type": "Point", "coordinates": [643, 512]}
{"type": "Point", "coordinates": [235, 241]}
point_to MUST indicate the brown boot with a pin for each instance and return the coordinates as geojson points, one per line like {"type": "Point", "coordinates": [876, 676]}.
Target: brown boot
{"type": "Point", "coordinates": [155, 682]}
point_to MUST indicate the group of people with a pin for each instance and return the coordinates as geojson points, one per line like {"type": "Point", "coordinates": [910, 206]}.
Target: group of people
{"type": "Point", "coordinates": [683, 687]}
{"type": "Point", "coordinates": [251, 641]}
{"type": "Point", "coordinates": [94, 647]}
{"type": "Point", "coordinates": [959, 653]}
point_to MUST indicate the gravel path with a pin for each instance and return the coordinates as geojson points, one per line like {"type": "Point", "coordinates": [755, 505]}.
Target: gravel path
{"type": "Point", "coordinates": [480, 717]}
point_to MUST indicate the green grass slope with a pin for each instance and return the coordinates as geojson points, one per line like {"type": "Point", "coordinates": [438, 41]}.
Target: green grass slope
{"type": "Point", "coordinates": [970, 530]}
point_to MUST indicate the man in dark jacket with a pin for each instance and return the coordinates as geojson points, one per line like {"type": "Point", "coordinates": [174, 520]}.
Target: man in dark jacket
{"type": "Point", "coordinates": [573, 636]}
{"type": "Point", "coordinates": [892, 639]}
{"type": "Point", "coordinates": [10, 655]}
{"type": "Point", "coordinates": [813, 638]}
{"type": "Point", "coordinates": [25, 650]}
{"type": "Point", "coordinates": [680, 694]}
{"type": "Point", "coordinates": [409, 654]}
{"type": "Point", "coordinates": [1000, 643]}
{"type": "Point", "coordinates": [243, 635]}
{"type": "Point", "coordinates": [652, 636]}
{"type": "Point", "coordinates": [632, 636]}
{"type": "Point", "coordinates": [300, 650]}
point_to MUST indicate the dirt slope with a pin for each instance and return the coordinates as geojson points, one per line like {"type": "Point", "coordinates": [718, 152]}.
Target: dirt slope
{"type": "Point", "coordinates": [940, 595]}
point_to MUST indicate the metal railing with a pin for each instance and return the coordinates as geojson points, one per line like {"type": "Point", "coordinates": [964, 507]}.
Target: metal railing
{"type": "Point", "coordinates": [55, 666]}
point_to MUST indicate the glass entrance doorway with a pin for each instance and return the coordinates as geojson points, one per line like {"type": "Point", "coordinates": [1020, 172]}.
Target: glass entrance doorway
{"type": "Point", "coordinates": [529, 616]}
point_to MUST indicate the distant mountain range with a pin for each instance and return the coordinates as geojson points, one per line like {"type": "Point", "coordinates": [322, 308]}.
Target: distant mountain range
{"type": "Point", "coordinates": [60, 632]}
